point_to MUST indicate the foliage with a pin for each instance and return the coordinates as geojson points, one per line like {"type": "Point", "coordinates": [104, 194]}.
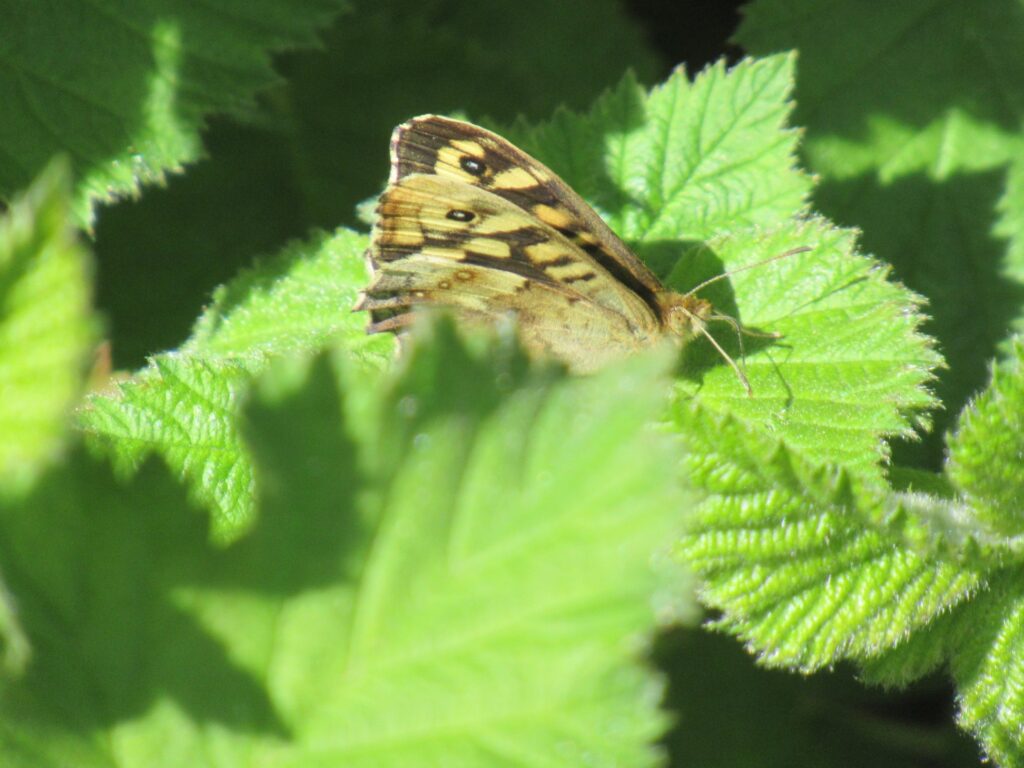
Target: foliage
{"type": "Point", "coordinates": [281, 542]}
{"type": "Point", "coordinates": [46, 328]}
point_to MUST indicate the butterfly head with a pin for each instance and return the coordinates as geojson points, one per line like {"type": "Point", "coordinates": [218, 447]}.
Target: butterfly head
{"type": "Point", "coordinates": [683, 315]}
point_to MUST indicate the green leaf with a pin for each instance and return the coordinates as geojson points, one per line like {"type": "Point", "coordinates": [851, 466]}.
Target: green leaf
{"type": "Point", "coordinates": [125, 90]}
{"type": "Point", "coordinates": [850, 366]}
{"type": "Point", "coordinates": [790, 558]}
{"type": "Point", "coordinates": [914, 128]}
{"type": "Point", "coordinates": [539, 599]}
{"type": "Point", "coordinates": [46, 328]}
{"type": "Point", "coordinates": [15, 647]}
{"type": "Point", "coordinates": [988, 670]}
{"type": "Point", "coordinates": [184, 406]}
{"type": "Point", "coordinates": [125, 670]}
{"type": "Point", "coordinates": [685, 161]}
{"type": "Point", "coordinates": [786, 553]}
{"type": "Point", "coordinates": [972, 512]}
{"type": "Point", "coordinates": [985, 453]}
{"type": "Point", "coordinates": [432, 578]}
{"type": "Point", "coordinates": [982, 642]}
{"type": "Point", "coordinates": [186, 410]}
{"type": "Point", "coordinates": [296, 301]}
{"type": "Point", "coordinates": [700, 178]}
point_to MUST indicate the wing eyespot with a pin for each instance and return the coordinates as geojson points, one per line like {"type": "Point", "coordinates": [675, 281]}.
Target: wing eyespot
{"type": "Point", "coordinates": [459, 215]}
{"type": "Point", "coordinates": [472, 166]}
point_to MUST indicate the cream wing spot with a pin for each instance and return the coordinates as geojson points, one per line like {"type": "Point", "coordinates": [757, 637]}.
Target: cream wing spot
{"type": "Point", "coordinates": [439, 252]}
{"type": "Point", "coordinates": [549, 255]}
{"type": "Point", "coordinates": [498, 223]}
{"type": "Point", "coordinates": [514, 178]}
{"type": "Point", "coordinates": [448, 156]}
{"type": "Point", "coordinates": [553, 217]}
{"type": "Point", "coordinates": [489, 246]}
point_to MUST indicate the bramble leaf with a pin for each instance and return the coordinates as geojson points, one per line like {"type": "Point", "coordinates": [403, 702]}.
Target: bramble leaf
{"type": "Point", "coordinates": [184, 406]}
{"type": "Point", "coordinates": [125, 90]}
{"type": "Point", "coordinates": [985, 639]}
{"type": "Point", "coordinates": [46, 328]}
{"type": "Point", "coordinates": [985, 453]}
{"type": "Point", "coordinates": [967, 527]}
{"type": "Point", "coordinates": [787, 553]}
{"type": "Point", "coordinates": [701, 178]}
{"type": "Point", "coordinates": [914, 128]}
{"type": "Point", "coordinates": [431, 578]}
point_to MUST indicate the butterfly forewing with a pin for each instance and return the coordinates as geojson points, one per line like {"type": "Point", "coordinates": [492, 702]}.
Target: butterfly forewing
{"type": "Point", "coordinates": [451, 148]}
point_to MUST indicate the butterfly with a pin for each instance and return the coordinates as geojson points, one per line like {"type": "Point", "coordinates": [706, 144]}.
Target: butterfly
{"type": "Point", "coordinates": [470, 222]}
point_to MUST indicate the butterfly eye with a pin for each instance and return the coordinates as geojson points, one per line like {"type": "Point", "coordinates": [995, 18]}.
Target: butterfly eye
{"type": "Point", "coordinates": [472, 167]}
{"type": "Point", "coordinates": [458, 215]}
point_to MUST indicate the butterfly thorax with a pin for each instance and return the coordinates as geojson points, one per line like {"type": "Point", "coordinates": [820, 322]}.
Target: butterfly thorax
{"type": "Point", "coordinates": [682, 315]}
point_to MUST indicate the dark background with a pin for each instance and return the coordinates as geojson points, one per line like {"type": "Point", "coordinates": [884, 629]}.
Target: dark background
{"type": "Point", "coordinates": [694, 32]}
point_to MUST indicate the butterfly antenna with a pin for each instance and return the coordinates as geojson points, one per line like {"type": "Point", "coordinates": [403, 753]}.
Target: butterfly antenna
{"type": "Point", "coordinates": [736, 326]}
{"type": "Point", "coordinates": [742, 330]}
{"type": "Point", "coordinates": [736, 369]}
{"type": "Point", "coordinates": [745, 267]}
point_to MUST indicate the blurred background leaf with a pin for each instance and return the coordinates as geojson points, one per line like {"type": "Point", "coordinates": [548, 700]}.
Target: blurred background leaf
{"type": "Point", "coordinates": [378, 612]}
{"type": "Point", "coordinates": [124, 90]}
{"type": "Point", "coordinates": [47, 328]}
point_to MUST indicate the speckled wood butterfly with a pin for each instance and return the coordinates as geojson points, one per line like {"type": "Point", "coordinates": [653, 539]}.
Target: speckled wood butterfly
{"type": "Point", "coordinates": [470, 222]}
